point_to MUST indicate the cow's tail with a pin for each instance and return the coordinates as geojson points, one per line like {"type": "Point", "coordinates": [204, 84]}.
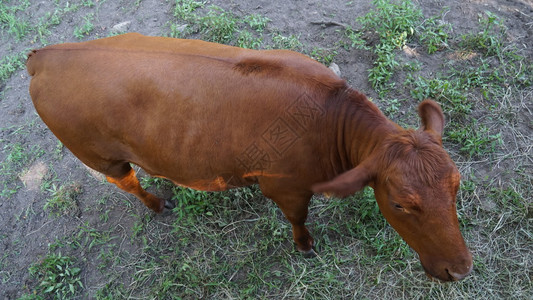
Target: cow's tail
{"type": "Point", "coordinates": [30, 62]}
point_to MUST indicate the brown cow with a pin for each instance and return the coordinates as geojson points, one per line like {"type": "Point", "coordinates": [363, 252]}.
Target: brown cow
{"type": "Point", "coordinates": [214, 117]}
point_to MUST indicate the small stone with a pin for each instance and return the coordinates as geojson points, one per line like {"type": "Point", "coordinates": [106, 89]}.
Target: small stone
{"type": "Point", "coordinates": [181, 28]}
{"type": "Point", "coordinates": [121, 27]}
{"type": "Point", "coordinates": [335, 68]}
{"type": "Point", "coordinates": [34, 176]}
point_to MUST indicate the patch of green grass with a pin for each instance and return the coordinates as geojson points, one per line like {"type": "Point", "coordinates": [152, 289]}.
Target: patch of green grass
{"type": "Point", "coordinates": [185, 9]}
{"type": "Point", "coordinates": [139, 225]}
{"type": "Point", "coordinates": [490, 39]}
{"type": "Point", "coordinates": [58, 150]}
{"type": "Point", "coordinates": [474, 140]}
{"type": "Point", "coordinates": [49, 179]}
{"type": "Point", "coordinates": [393, 23]}
{"type": "Point", "coordinates": [325, 56]}
{"type": "Point", "coordinates": [87, 3]}
{"type": "Point", "coordinates": [434, 34]}
{"type": "Point", "coordinates": [8, 190]}
{"type": "Point", "coordinates": [18, 157]}
{"type": "Point", "coordinates": [42, 28]}
{"type": "Point", "coordinates": [103, 207]}
{"type": "Point", "coordinates": [58, 276]}
{"type": "Point", "coordinates": [111, 291]}
{"type": "Point", "coordinates": [356, 39]}
{"type": "Point", "coordinates": [369, 225]}
{"type": "Point", "coordinates": [248, 40]}
{"type": "Point", "coordinates": [393, 107]}
{"type": "Point", "coordinates": [291, 42]}
{"type": "Point", "coordinates": [218, 26]}
{"type": "Point", "coordinates": [237, 244]}
{"type": "Point", "coordinates": [11, 23]}
{"type": "Point", "coordinates": [190, 203]}
{"type": "Point", "coordinates": [388, 27]}
{"type": "Point", "coordinates": [384, 66]}
{"type": "Point", "coordinates": [86, 237]}
{"type": "Point", "coordinates": [84, 29]}
{"type": "Point", "coordinates": [257, 22]}
{"type": "Point", "coordinates": [9, 64]}
{"type": "Point", "coordinates": [449, 92]}
{"type": "Point", "coordinates": [148, 181]}
{"type": "Point", "coordinates": [511, 199]}
{"type": "Point", "coordinates": [62, 199]}
{"type": "Point", "coordinates": [15, 20]}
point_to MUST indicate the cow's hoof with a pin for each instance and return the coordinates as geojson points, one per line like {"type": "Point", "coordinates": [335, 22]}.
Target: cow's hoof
{"type": "Point", "coordinates": [168, 206]}
{"type": "Point", "coordinates": [309, 253]}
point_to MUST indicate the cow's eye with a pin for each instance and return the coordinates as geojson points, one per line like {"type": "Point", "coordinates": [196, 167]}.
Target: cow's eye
{"type": "Point", "coordinates": [398, 206]}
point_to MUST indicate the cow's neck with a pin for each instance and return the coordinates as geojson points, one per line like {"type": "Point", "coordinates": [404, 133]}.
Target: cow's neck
{"type": "Point", "coordinates": [362, 127]}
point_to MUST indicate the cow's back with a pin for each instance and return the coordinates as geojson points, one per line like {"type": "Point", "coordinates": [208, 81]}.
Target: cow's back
{"type": "Point", "coordinates": [182, 109]}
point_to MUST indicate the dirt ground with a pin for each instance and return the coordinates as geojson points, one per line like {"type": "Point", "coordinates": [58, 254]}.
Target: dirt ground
{"type": "Point", "coordinates": [27, 230]}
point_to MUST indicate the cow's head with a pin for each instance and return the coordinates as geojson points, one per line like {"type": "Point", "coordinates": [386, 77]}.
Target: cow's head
{"type": "Point", "coordinates": [415, 183]}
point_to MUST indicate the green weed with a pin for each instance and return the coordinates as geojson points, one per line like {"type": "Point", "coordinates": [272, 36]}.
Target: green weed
{"type": "Point", "coordinates": [356, 39]}
{"type": "Point", "coordinates": [42, 28]}
{"type": "Point", "coordinates": [49, 179]}
{"type": "Point", "coordinates": [58, 150]}
{"type": "Point", "coordinates": [62, 199]}
{"type": "Point", "coordinates": [450, 93]}
{"type": "Point", "coordinates": [490, 39]}
{"type": "Point", "coordinates": [19, 26]}
{"type": "Point", "coordinates": [111, 291]}
{"type": "Point", "coordinates": [384, 66]}
{"type": "Point", "coordinates": [184, 9]}
{"type": "Point", "coordinates": [324, 56]}
{"type": "Point", "coordinates": [9, 64]}
{"type": "Point", "coordinates": [475, 140]}
{"type": "Point", "coordinates": [190, 203]}
{"type": "Point", "coordinates": [139, 225]}
{"type": "Point", "coordinates": [17, 158]}
{"type": "Point", "coordinates": [393, 107]}
{"type": "Point", "coordinates": [148, 181]}
{"type": "Point", "coordinates": [434, 35]}
{"type": "Point", "coordinates": [369, 225]}
{"type": "Point", "coordinates": [247, 40]}
{"type": "Point", "coordinates": [83, 30]}
{"type": "Point", "coordinates": [57, 275]}
{"type": "Point", "coordinates": [257, 22]}
{"type": "Point", "coordinates": [89, 237]}
{"type": "Point", "coordinates": [393, 23]}
{"type": "Point", "coordinates": [291, 42]}
{"type": "Point", "coordinates": [218, 26]}
{"type": "Point", "coordinates": [87, 3]}
{"type": "Point", "coordinates": [13, 24]}
{"type": "Point", "coordinates": [510, 199]}
{"type": "Point", "coordinates": [389, 26]}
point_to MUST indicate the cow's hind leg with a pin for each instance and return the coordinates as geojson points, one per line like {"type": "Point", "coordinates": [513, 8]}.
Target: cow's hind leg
{"type": "Point", "coordinates": [127, 181]}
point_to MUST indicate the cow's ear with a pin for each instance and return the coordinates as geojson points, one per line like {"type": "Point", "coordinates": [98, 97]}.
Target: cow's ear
{"type": "Point", "coordinates": [347, 183]}
{"type": "Point", "coordinates": [432, 117]}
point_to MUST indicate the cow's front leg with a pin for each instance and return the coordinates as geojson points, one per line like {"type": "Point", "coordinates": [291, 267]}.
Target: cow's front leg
{"type": "Point", "coordinates": [295, 209]}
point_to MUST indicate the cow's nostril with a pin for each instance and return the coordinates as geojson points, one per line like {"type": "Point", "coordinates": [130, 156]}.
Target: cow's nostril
{"type": "Point", "coordinates": [459, 276]}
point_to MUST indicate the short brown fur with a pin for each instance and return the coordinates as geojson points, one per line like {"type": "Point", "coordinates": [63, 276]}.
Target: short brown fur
{"type": "Point", "coordinates": [214, 117]}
